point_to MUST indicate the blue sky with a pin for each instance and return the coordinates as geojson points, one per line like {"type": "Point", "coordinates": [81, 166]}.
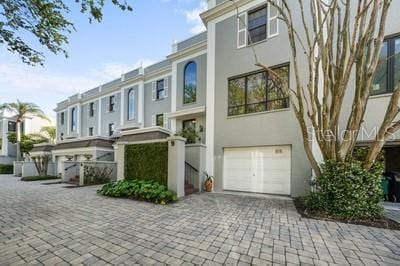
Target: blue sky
{"type": "Point", "coordinates": [100, 52]}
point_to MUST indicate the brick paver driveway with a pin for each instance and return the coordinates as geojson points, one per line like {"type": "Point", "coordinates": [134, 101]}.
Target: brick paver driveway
{"type": "Point", "coordinates": [50, 224]}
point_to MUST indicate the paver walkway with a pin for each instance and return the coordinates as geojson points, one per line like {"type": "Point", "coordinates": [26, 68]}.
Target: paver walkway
{"type": "Point", "coordinates": [49, 224]}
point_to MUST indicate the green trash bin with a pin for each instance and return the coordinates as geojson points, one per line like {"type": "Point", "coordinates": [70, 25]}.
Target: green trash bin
{"type": "Point", "coordinates": [385, 187]}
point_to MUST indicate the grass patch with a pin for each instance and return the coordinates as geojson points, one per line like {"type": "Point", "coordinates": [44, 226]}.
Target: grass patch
{"type": "Point", "coordinates": [381, 222]}
{"type": "Point", "coordinates": [38, 178]}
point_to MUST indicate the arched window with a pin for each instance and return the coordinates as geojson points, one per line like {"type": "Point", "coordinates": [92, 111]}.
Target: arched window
{"type": "Point", "coordinates": [73, 119]}
{"type": "Point", "coordinates": [190, 83]}
{"type": "Point", "coordinates": [131, 104]}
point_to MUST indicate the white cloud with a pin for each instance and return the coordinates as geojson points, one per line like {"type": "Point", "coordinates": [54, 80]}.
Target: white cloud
{"type": "Point", "coordinates": [47, 87]}
{"type": "Point", "coordinates": [193, 18]}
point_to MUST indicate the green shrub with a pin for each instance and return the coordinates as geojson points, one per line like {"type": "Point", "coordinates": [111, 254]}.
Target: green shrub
{"type": "Point", "coordinates": [147, 162]}
{"type": "Point", "coordinates": [37, 178]}
{"type": "Point", "coordinates": [146, 190]}
{"type": "Point", "coordinates": [6, 169]}
{"type": "Point", "coordinates": [347, 191]}
{"type": "Point", "coordinates": [190, 134]}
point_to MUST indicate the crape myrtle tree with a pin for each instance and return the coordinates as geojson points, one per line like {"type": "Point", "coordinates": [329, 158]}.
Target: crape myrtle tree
{"type": "Point", "coordinates": [341, 41]}
{"type": "Point", "coordinates": [47, 21]}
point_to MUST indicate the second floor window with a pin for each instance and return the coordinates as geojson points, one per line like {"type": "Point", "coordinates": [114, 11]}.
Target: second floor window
{"type": "Point", "coordinates": [257, 92]}
{"type": "Point", "coordinates": [62, 118]}
{"type": "Point", "coordinates": [160, 89]}
{"type": "Point", "coordinates": [387, 74]}
{"type": "Point", "coordinates": [91, 109]}
{"type": "Point", "coordinates": [73, 119]}
{"type": "Point", "coordinates": [131, 104]}
{"type": "Point", "coordinates": [90, 131]}
{"type": "Point", "coordinates": [257, 25]}
{"type": "Point", "coordinates": [111, 103]}
{"type": "Point", "coordinates": [190, 83]}
{"type": "Point", "coordinates": [111, 129]}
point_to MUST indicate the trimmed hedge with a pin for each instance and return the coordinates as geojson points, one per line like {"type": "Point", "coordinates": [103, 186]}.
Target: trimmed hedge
{"type": "Point", "coordinates": [146, 190]}
{"type": "Point", "coordinates": [37, 178]}
{"type": "Point", "coordinates": [347, 191]}
{"type": "Point", "coordinates": [6, 169]}
{"type": "Point", "coordinates": [147, 162]}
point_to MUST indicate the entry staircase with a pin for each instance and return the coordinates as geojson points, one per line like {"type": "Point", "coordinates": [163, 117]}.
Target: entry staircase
{"type": "Point", "coordinates": [191, 174]}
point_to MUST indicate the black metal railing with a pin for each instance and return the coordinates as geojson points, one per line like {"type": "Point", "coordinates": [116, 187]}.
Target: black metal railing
{"type": "Point", "coordinates": [263, 106]}
{"type": "Point", "coordinates": [103, 155]}
{"type": "Point", "coordinates": [71, 166]}
{"type": "Point", "coordinates": [191, 174]}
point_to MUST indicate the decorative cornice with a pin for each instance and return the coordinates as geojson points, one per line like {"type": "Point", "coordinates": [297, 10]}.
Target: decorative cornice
{"type": "Point", "coordinates": [221, 9]}
{"type": "Point", "coordinates": [189, 50]}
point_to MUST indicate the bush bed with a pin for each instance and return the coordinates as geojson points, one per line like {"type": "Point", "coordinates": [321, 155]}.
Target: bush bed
{"type": "Point", "coordinates": [347, 191]}
{"type": "Point", "coordinates": [6, 169]}
{"type": "Point", "coordinates": [146, 190]}
{"type": "Point", "coordinates": [37, 178]}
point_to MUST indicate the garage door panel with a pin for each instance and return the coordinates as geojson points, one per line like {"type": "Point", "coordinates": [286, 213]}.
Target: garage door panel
{"type": "Point", "coordinates": [258, 169]}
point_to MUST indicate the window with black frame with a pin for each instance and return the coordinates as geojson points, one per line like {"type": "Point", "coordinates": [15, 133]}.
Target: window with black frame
{"type": "Point", "coordinates": [258, 92]}
{"type": "Point", "coordinates": [111, 106]}
{"type": "Point", "coordinates": [91, 109]}
{"type": "Point", "coordinates": [62, 118]}
{"type": "Point", "coordinates": [257, 25]}
{"type": "Point", "coordinates": [111, 129]}
{"type": "Point", "coordinates": [73, 119]}
{"type": "Point", "coordinates": [387, 75]}
{"type": "Point", "coordinates": [160, 89]}
{"type": "Point", "coordinates": [190, 83]}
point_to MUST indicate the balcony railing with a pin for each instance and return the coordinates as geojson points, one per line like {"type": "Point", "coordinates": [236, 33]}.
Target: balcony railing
{"type": "Point", "coordinates": [259, 107]}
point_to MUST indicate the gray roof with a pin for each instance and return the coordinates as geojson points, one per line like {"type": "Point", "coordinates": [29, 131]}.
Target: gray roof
{"type": "Point", "coordinates": [84, 144]}
{"type": "Point", "coordinates": [192, 41]}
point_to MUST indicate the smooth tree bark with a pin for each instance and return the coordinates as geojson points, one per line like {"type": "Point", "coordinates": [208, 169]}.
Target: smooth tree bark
{"type": "Point", "coordinates": [341, 41]}
{"type": "Point", "coordinates": [41, 164]}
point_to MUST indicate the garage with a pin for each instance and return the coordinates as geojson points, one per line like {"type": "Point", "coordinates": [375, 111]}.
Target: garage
{"type": "Point", "coordinates": [265, 169]}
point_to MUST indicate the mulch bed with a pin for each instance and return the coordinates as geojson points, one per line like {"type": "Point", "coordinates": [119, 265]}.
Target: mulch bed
{"type": "Point", "coordinates": [378, 223]}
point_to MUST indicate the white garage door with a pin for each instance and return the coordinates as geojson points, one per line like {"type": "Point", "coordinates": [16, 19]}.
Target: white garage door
{"type": "Point", "coordinates": [258, 169]}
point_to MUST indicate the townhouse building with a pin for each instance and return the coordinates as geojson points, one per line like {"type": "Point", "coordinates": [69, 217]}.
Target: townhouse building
{"type": "Point", "coordinates": [210, 82]}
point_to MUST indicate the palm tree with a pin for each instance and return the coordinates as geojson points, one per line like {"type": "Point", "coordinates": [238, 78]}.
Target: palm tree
{"type": "Point", "coordinates": [49, 133]}
{"type": "Point", "coordinates": [22, 111]}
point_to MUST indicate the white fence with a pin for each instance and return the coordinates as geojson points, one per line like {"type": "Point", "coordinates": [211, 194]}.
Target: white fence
{"type": "Point", "coordinates": [29, 169]}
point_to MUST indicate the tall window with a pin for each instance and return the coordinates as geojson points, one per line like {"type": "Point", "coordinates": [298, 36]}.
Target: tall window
{"type": "Point", "coordinates": [190, 83]}
{"type": "Point", "coordinates": [257, 25]}
{"type": "Point", "coordinates": [73, 119]}
{"type": "Point", "coordinates": [111, 129]}
{"type": "Point", "coordinates": [111, 104]}
{"type": "Point", "coordinates": [131, 104]}
{"type": "Point", "coordinates": [90, 131]}
{"type": "Point", "coordinates": [91, 109]}
{"type": "Point", "coordinates": [160, 89]}
{"type": "Point", "coordinates": [387, 74]}
{"type": "Point", "coordinates": [257, 92]}
{"type": "Point", "coordinates": [62, 118]}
